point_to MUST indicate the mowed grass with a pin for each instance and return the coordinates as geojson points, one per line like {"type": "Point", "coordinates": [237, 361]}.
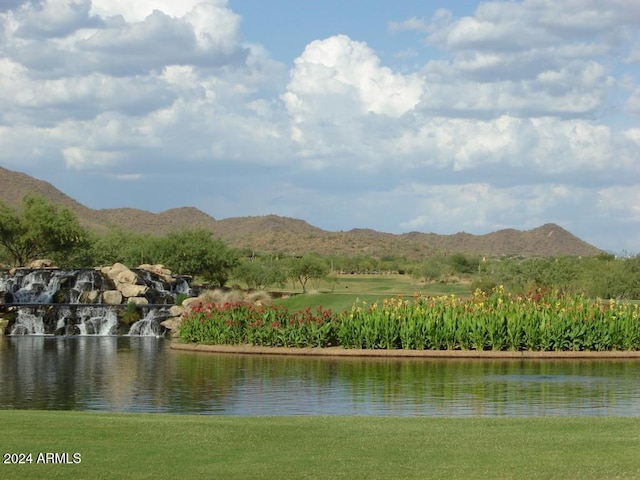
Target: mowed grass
{"type": "Point", "coordinates": [155, 446]}
{"type": "Point", "coordinates": [387, 285]}
{"type": "Point", "coordinates": [347, 290]}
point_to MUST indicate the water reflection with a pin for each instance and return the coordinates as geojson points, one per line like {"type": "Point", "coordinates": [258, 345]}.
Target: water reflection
{"type": "Point", "coordinates": [142, 375]}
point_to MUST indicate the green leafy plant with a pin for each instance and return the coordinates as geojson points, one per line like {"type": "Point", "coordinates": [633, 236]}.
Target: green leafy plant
{"type": "Point", "coordinates": [539, 321]}
{"type": "Point", "coordinates": [180, 297]}
{"type": "Point", "coordinates": [39, 230]}
{"type": "Point", "coordinates": [245, 323]}
{"type": "Point", "coordinates": [131, 314]}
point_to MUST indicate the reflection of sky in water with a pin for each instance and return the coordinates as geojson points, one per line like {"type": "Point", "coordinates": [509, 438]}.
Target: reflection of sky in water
{"type": "Point", "coordinates": [132, 374]}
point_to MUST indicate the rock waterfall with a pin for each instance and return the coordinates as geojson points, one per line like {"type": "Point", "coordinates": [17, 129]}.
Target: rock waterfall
{"type": "Point", "coordinates": [114, 300]}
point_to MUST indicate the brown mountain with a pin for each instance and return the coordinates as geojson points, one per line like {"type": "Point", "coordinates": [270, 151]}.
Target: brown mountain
{"type": "Point", "coordinates": [275, 234]}
{"type": "Point", "coordinates": [15, 185]}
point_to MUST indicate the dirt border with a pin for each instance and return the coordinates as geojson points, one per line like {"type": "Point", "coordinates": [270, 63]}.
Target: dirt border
{"type": "Point", "coordinates": [346, 352]}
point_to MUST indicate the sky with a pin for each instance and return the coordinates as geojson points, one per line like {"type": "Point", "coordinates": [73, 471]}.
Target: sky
{"type": "Point", "coordinates": [405, 115]}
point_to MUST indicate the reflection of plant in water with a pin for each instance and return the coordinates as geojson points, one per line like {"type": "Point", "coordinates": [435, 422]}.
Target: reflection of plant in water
{"type": "Point", "coordinates": [399, 386]}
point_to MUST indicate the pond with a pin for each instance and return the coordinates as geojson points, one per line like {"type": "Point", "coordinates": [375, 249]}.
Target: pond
{"type": "Point", "coordinates": [142, 374]}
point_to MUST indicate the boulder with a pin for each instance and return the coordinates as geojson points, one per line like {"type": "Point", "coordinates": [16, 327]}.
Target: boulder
{"type": "Point", "coordinates": [188, 302]}
{"type": "Point", "coordinates": [41, 263]}
{"type": "Point", "coordinates": [129, 290]}
{"type": "Point", "coordinates": [176, 311]}
{"type": "Point", "coordinates": [90, 296]}
{"type": "Point", "coordinates": [113, 271]}
{"type": "Point", "coordinates": [138, 300]}
{"type": "Point", "coordinates": [158, 269]}
{"type": "Point", "coordinates": [105, 270]}
{"type": "Point", "coordinates": [112, 297]}
{"type": "Point", "coordinates": [172, 324]}
{"type": "Point", "coordinates": [127, 276]}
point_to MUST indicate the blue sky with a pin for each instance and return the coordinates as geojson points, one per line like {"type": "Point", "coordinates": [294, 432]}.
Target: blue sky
{"type": "Point", "coordinates": [398, 116]}
{"type": "Point", "coordinates": [299, 23]}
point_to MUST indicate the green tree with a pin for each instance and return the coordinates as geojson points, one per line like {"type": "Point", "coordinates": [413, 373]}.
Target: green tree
{"type": "Point", "coordinates": [126, 247]}
{"type": "Point", "coordinates": [196, 252]}
{"type": "Point", "coordinates": [464, 264]}
{"type": "Point", "coordinates": [431, 270]}
{"type": "Point", "coordinates": [260, 274]}
{"type": "Point", "coordinates": [631, 272]}
{"type": "Point", "coordinates": [40, 230]}
{"type": "Point", "coordinates": [625, 282]}
{"type": "Point", "coordinates": [303, 269]}
{"type": "Point", "coordinates": [552, 272]}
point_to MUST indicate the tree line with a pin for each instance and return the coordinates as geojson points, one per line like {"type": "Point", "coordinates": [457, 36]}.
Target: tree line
{"type": "Point", "coordinates": [41, 230]}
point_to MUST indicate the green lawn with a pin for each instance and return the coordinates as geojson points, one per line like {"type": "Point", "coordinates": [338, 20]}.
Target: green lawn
{"type": "Point", "coordinates": [341, 295]}
{"type": "Point", "coordinates": [154, 446]}
{"type": "Point", "coordinates": [336, 302]}
{"type": "Point", "coordinates": [387, 285]}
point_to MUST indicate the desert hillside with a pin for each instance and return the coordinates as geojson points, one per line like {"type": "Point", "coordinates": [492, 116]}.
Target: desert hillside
{"type": "Point", "coordinates": [275, 234]}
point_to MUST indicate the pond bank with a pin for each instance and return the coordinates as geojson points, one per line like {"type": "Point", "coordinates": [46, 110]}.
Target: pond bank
{"type": "Point", "coordinates": [352, 352]}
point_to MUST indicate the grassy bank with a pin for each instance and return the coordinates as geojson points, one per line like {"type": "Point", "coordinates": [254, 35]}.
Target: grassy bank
{"type": "Point", "coordinates": [131, 446]}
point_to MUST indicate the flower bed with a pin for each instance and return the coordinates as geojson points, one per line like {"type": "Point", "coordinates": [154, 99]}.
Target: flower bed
{"type": "Point", "coordinates": [499, 321]}
{"type": "Point", "coordinates": [244, 323]}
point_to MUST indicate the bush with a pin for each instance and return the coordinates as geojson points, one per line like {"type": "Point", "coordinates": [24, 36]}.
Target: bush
{"type": "Point", "coordinates": [131, 314]}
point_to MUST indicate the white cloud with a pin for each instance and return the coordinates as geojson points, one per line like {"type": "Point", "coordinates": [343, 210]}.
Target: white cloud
{"type": "Point", "coordinates": [530, 58]}
{"type": "Point", "coordinates": [507, 26]}
{"type": "Point", "coordinates": [413, 23]}
{"type": "Point", "coordinates": [633, 103]}
{"type": "Point", "coordinates": [51, 19]}
{"type": "Point", "coordinates": [620, 202]}
{"type": "Point", "coordinates": [97, 84]}
{"type": "Point", "coordinates": [138, 10]}
{"type": "Point", "coordinates": [340, 99]}
{"type": "Point", "coordinates": [483, 207]}
{"type": "Point", "coordinates": [79, 158]}
{"type": "Point", "coordinates": [340, 67]}
{"type": "Point", "coordinates": [63, 37]}
{"type": "Point", "coordinates": [128, 177]}
{"type": "Point", "coordinates": [527, 115]}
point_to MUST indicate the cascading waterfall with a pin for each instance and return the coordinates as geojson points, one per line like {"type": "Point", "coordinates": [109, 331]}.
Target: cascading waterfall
{"type": "Point", "coordinates": [64, 316]}
{"type": "Point", "coordinates": [84, 282]}
{"type": "Point", "coordinates": [97, 321]}
{"type": "Point", "coordinates": [149, 325]}
{"type": "Point", "coordinates": [70, 302]}
{"type": "Point", "coordinates": [28, 323]}
{"type": "Point", "coordinates": [37, 287]}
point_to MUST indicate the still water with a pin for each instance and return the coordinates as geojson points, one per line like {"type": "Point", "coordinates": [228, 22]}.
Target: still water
{"type": "Point", "coordinates": [132, 374]}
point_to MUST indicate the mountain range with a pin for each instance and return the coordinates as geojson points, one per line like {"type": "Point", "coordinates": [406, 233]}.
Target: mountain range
{"type": "Point", "coordinates": [282, 235]}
